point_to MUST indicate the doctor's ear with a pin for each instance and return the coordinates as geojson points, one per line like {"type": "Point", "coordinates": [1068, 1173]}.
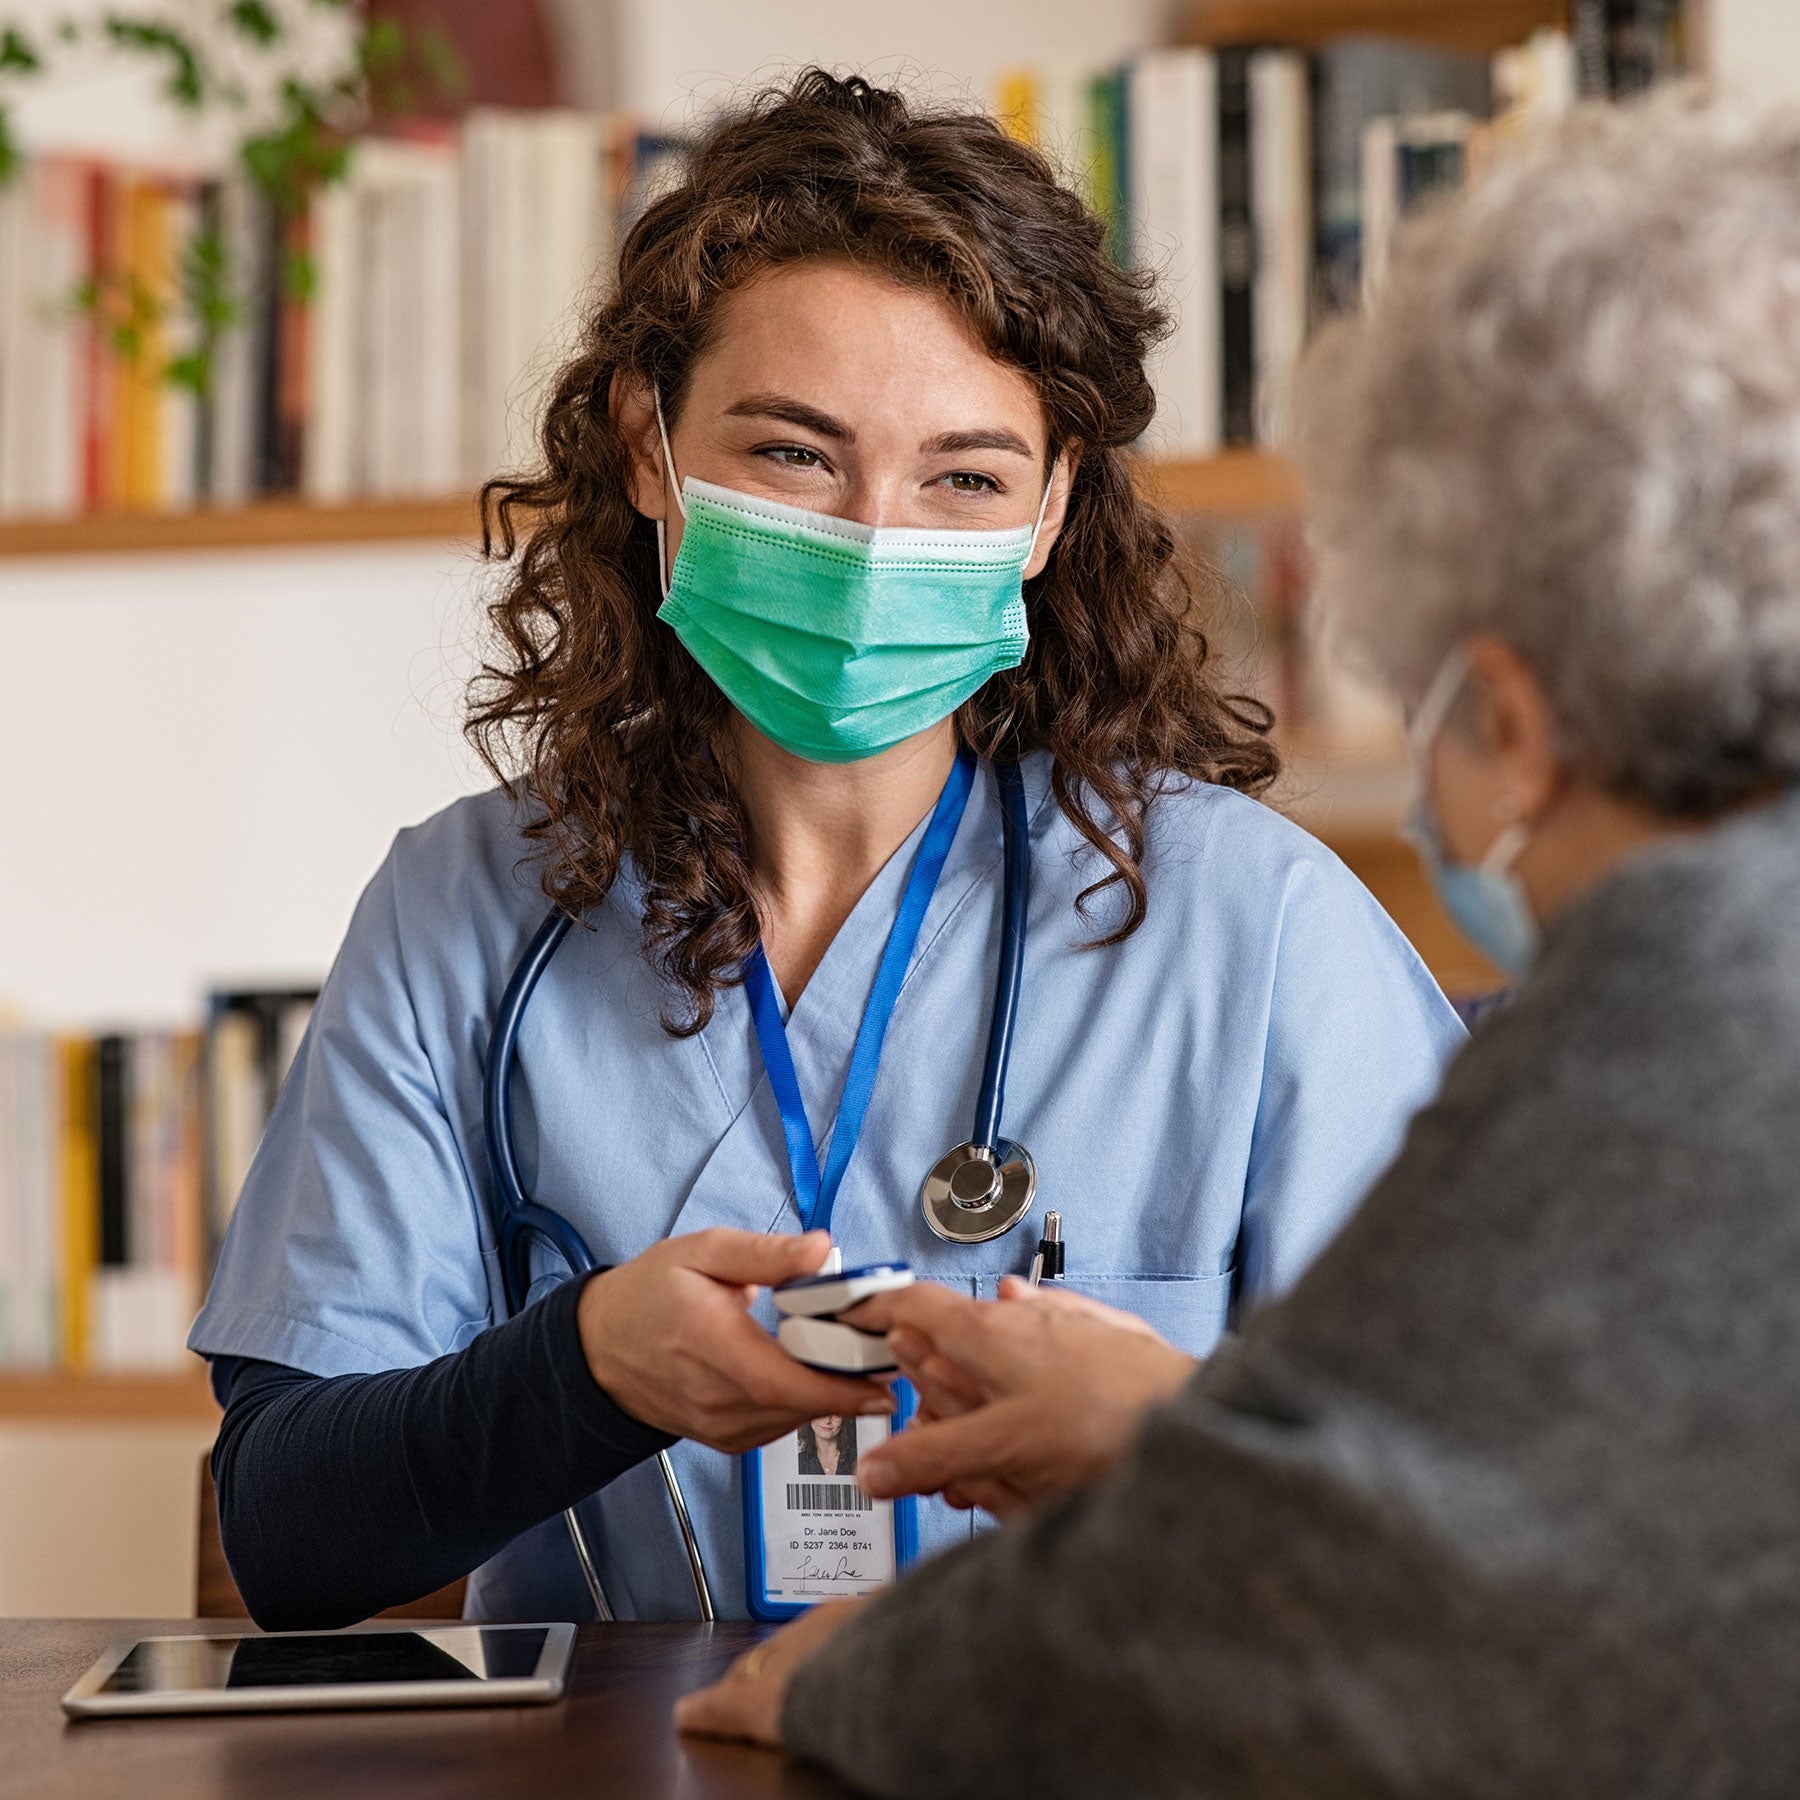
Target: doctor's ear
{"type": "Point", "coordinates": [633, 408]}
{"type": "Point", "coordinates": [1056, 510]}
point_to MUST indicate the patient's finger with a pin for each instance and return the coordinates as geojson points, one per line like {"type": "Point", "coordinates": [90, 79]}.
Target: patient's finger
{"type": "Point", "coordinates": [1054, 1294]}
{"type": "Point", "coordinates": [924, 1458]}
{"type": "Point", "coordinates": [992, 1495]}
{"type": "Point", "coordinates": [959, 1326]}
{"type": "Point", "coordinates": [952, 1391]}
{"type": "Point", "coordinates": [942, 1387]}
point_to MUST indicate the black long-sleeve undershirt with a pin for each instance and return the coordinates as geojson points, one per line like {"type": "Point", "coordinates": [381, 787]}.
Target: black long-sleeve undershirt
{"type": "Point", "coordinates": [342, 1495]}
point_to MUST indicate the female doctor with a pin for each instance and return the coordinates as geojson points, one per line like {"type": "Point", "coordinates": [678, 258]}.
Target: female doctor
{"type": "Point", "coordinates": [834, 532]}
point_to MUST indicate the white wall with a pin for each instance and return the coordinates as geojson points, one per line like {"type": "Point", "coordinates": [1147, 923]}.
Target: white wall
{"type": "Point", "coordinates": [679, 53]}
{"type": "Point", "coordinates": [662, 58]}
{"type": "Point", "coordinates": [1753, 47]}
{"type": "Point", "coordinates": [65, 1549]}
{"type": "Point", "coordinates": [205, 756]}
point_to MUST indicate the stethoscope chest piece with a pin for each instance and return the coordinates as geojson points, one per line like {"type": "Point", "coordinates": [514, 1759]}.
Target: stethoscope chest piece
{"type": "Point", "coordinates": [973, 1193]}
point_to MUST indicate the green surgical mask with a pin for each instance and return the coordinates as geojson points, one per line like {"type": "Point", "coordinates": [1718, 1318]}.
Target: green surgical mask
{"type": "Point", "coordinates": [838, 640]}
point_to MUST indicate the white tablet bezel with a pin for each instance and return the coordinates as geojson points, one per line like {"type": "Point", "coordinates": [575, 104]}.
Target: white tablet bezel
{"type": "Point", "coordinates": [86, 1700]}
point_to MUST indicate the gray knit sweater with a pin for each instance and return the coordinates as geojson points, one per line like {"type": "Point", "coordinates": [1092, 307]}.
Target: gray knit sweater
{"type": "Point", "coordinates": [1504, 1499]}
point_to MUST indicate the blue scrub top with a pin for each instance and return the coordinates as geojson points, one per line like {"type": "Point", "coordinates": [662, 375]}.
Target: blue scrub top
{"type": "Point", "coordinates": [1206, 1102]}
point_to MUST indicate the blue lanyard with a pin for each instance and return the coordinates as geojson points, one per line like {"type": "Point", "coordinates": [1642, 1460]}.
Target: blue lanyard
{"type": "Point", "coordinates": [817, 1193]}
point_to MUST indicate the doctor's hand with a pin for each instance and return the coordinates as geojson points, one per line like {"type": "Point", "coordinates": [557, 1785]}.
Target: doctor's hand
{"type": "Point", "coordinates": [670, 1338]}
{"type": "Point", "coordinates": [1020, 1398]}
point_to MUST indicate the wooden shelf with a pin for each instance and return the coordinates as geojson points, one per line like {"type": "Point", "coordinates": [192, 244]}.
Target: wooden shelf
{"type": "Point", "coordinates": [65, 1397]}
{"type": "Point", "coordinates": [269, 524]}
{"type": "Point", "coordinates": [1237, 484]}
{"type": "Point", "coordinates": [1475, 25]}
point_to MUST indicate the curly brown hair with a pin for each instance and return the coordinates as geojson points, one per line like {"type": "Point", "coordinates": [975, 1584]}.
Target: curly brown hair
{"type": "Point", "coordinates": [617, 737]}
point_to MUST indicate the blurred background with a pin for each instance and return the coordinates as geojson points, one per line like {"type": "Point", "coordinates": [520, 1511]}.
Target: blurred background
{"type": "Point", "coordinates": [280, 284]}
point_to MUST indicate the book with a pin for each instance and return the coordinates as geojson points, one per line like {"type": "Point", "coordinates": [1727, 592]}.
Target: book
{"type": "Point", "coordinates": [105, 1241]}
{"type": "Point", "coordinates": [539, 199]}
{"type": "Point", "coordinates": [332, 467]}
{"type": "Point", "coordinates": [112, 1104]}
{"type": "Point", "coordinates": [1237, 250]}
{"type": "Point", "coordinates": [1018, 105]}
{"type": "Point", "coordinates": [235, 461]}
{"type": "Point", "coordinates": [1533, 86]}
{"type": "Point", "coordinates": [1265, 236]}
{"type": "Point", "coordinates": [292, 323]}
{"type": "Point", "coordinates": [79, 1196]}
{"type": "Point", "coordinates": [1173, 170]}
{"type": "Point", "coordinates": [30, 1133]}
{"type": "Point", "coordinates": [1405, 161]}
{"type": "Point", "coordinates": [266, 300]}
{"type": "Point", "coordinates": [250, 1041]}
{"type": "Point", "coordinates": [43, 262]}
{"type": "Point", "coordinates": [1282, 206]}
{"type": "Point", "coordinates": [1355, 82]}
{"type": "Point", "coordinates": [1110, 178]}
{"type": "Point", "coordinates": [1624, 47]}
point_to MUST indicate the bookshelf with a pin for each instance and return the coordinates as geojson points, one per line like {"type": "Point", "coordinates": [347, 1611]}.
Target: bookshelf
{"type": "Point", "coordinates": [88, 1397]}
{"type": "Point", "coordinates": [1472, 25]}
{"type": "Point", "coordinates": [1236, 484]}
{"type": "Point", "coordinates": [270, 524]}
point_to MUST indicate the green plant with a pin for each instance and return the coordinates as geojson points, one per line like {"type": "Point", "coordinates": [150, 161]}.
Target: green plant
{"type": "Point", "coordinates": [296, 128]}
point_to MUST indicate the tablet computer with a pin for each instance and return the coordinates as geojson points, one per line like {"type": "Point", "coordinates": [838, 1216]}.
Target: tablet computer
{"type": "Point", "coordinates": [299, 1671]}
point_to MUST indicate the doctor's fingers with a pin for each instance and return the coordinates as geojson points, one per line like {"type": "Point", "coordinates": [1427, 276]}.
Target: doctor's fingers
{"type": "Point", "coordinates": [763, 1393]}
{"type": "Point", "coordinates": [752, 1258]}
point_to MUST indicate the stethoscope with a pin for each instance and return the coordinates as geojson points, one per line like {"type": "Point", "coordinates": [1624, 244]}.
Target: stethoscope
{"type": "Point", "coordinates": [975, 1192]}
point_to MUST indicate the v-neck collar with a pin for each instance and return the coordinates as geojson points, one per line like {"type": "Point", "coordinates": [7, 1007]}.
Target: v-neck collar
{"type": "Point", "coordinates": [748, 1166]}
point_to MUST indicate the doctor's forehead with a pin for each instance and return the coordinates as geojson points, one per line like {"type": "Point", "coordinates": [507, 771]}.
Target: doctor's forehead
{"type": "Point", "coordinates": [859, 349]}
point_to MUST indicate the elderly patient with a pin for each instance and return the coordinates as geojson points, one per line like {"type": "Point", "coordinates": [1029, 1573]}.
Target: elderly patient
{"type": "Point", "coordinates": [1505, 1498]}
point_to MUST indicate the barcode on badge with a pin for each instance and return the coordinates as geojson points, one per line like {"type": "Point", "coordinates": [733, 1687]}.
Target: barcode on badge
{"type": "Point", "coordinates": [827, 1496]}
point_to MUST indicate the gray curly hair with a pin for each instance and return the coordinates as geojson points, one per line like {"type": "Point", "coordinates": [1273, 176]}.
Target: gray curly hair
{"type": "Point", "coordinates": [1572, 419]}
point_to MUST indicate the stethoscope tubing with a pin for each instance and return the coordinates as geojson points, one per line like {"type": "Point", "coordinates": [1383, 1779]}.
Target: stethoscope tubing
{"type": "Point", "coordinates": [518, 1219]}
{"type": "Point", "coordinates": [1009, 980]}
{"type": "Point", "coordinates": [516, 1216]}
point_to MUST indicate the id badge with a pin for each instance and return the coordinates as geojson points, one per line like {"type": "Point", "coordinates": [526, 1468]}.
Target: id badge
{"type": "Point", "coordinates": [810, 1533]}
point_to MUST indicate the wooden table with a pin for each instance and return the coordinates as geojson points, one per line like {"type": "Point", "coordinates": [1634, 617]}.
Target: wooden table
{"type": "Point", "coordinates": [610, 1737]}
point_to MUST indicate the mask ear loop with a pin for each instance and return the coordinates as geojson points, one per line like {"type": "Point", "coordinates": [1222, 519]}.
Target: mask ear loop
{"type": "Point", "coordinates": [1441, 694]}
{"type": "Point", "coordinates": [673, 483]}
{"type": "Point", "coordinates": [1043, 507]}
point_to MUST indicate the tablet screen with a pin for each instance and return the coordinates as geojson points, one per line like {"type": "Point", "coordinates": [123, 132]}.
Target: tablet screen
{"type": "Point", "coordinates": [328, 1659]}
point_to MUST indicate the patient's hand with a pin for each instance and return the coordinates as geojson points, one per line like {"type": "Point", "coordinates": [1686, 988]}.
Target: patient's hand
{"type": "Point", "coordinates": [1022, 1398]}
{"type": "Point", "coordinates": [746, 1701]}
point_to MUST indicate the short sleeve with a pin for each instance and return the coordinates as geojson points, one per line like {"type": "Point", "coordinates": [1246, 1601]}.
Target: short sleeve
{"type": "Point", "coordinates": [1358, 1038]}
{"type": "Point", "coordinates": [356, 1245]}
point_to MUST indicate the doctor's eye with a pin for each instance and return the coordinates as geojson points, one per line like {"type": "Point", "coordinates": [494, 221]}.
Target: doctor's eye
{"type": "Point", "coordinates": [794, 456]}
{"type": "Point", "coordinates": [970, 481]}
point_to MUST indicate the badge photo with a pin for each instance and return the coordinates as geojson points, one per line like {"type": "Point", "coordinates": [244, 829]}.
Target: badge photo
{"type": "Point", "coordinates": [810, 1533]}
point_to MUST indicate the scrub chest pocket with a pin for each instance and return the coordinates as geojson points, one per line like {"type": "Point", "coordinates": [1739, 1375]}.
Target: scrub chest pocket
{"type": "Point", "coordinates": [1191, 1311]}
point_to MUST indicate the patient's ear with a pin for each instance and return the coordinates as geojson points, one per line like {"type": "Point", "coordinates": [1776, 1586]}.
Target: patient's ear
{"type": "Point", "coordinates": [633, 408]}
{"type": "Point", "coordinates": [1515, 727]}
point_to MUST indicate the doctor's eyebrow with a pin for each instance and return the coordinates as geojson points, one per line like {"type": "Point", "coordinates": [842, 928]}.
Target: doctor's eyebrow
{"type": "Point", "coordinates": [948, 442]}
{"type": "Point", "coordinates": [809, 418]}
{"type": "Point", "coordinates": [791, 412]}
